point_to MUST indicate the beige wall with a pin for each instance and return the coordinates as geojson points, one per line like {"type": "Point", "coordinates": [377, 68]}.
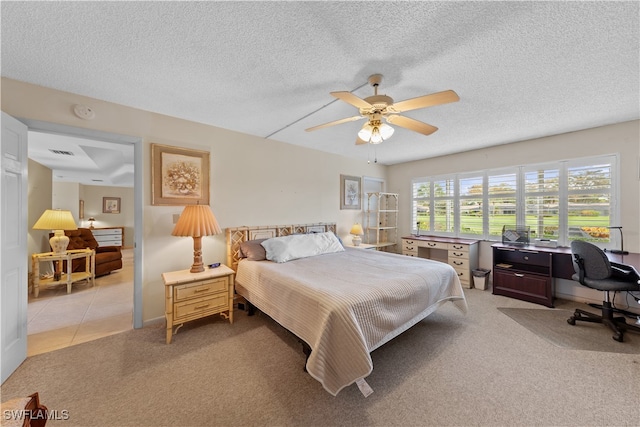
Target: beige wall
{"type": "Point", "coordinates": [263, 182]}
{"type": "Point", "coordinates": [40, 182]}
{"type": "Point", "coordinates": [92, 196]}
{"type": "Point", "coordinates": [254, 181]}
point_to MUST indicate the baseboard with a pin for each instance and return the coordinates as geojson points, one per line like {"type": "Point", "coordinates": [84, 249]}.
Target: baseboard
{"type": "Point", "coordinates": [154, 322]}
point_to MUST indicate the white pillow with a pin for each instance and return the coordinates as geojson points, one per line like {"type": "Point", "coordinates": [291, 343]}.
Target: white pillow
{"type": "Point", "coordinates": [287, 248]}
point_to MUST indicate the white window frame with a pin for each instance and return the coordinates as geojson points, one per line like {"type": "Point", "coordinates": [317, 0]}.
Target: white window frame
{"type": "Point", "coordinates": [563, 192]}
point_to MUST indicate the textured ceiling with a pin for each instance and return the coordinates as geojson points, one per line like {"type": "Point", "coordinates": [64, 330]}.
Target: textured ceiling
{"type": "Point", "coordinates": [522, 69]}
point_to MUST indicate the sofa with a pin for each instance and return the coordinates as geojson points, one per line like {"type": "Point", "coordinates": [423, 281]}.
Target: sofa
{"type": "Point", "coordinates": [108, 258]}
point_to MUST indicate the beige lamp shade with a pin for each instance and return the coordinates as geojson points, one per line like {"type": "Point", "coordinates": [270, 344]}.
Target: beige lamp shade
{"type": "Point", "coordinates": [196, 221]}
{"type": "Point", "coordinates": [58, 221]}
{"type": "Point", "coordinates": [356, 231]}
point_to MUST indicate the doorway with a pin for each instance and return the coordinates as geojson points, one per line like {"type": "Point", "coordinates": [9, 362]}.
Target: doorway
{"type": "Point", "coordinates": [132, 250]}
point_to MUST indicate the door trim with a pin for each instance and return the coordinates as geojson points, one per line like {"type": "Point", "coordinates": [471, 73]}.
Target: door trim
{"type": "Point", "coordinates": [56, 128]}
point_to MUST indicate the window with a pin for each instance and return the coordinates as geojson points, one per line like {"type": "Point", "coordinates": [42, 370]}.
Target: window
{"type": "Point", "coordinates": [443, 212]}
{"type": "Point", "coordinates": [542, 202]}
{"type": "Point", "coordinates": [421, 207]}
{"type": "Point", "coordinates": [589, 202]}
{"type": "Point", "coordinates": [501, 202]}
{"type": "Point", "coordinates": [562, 201]}
{"type": "Point", "coordinates": [470, 204]}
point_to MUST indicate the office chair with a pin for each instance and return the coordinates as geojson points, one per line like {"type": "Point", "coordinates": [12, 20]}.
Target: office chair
{"type": "Point", "coordinates": [594, 270]}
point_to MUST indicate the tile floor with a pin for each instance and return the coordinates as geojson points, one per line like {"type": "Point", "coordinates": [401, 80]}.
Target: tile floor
{"type": "Point", "coordinates": [57, 319]}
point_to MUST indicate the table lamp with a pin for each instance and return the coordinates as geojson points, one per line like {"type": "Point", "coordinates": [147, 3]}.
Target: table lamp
{"type": "Point", "coordinates": [620, 251]}
{"type": "Point", "coordinates": [91, 220]}
{"type": "Point", "coordinates": [58, 221]}
{"type": "Point", "coordinates": [196, 221]}
{"type": "Point", "coordinates": [356, 231]}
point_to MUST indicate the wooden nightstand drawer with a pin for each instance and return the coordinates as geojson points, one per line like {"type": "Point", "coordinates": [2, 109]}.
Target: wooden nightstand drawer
{"type": "Point", "coordinates": [201, 305]}
{"type": "Point", "coordinates": [199, 289]}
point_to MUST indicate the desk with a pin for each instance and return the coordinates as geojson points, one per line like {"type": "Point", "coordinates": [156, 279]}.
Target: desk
{"type": "Point", "coordinates": [69, 277]}
{"type": "Point", "coordinates": [534, 267]}
{"type": "Point", "coordinates": [461, 254]}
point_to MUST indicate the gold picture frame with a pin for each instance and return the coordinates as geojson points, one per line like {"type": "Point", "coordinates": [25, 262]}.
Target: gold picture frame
{"type": "Point", "coordinates": [111, 205]}
{"type": "Point", "coordinates": [179, 176]}
{"type": "Point", "coordinates": [350, 193]}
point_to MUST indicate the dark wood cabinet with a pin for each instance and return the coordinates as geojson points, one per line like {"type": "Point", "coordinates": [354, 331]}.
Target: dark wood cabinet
{"type": "Point", "coordinates": [523, 273]}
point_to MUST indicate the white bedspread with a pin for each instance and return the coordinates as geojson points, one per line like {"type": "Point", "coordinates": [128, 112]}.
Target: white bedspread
{"type": "Point", "coordinates": [345, 305]}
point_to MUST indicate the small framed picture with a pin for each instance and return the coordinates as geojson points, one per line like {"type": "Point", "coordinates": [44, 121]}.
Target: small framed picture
{"type": "Point", "coordinates": [111, 205]}
{"type": "Point", "coordinates": [179, 176]}
{"type": "Point", "coordinates": [350, 192]}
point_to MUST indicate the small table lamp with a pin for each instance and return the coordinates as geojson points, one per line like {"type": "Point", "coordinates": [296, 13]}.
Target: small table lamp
{"type": "Point", "coordinates": [58, 221]}
{"type": "Point", "coordinates": [356, 231]}
{"type": "Point", "coordinates": [196, 221]}
{"type": "Point", "coordinates": [91, 220]}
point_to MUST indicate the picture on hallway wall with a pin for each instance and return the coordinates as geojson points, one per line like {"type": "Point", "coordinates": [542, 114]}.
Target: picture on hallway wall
{"type": "Point", "coordinates": [111, 205]}
{"type": "Point", "coordinates": [180, 176]}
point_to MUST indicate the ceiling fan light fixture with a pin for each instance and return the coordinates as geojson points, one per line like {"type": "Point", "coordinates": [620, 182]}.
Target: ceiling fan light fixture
{"type": "Point", "coordinates": [365, 132]}
{"type": "Point", "coordinates": [375, 133]}
{"type": "Point", "coordinates": [386, 131]}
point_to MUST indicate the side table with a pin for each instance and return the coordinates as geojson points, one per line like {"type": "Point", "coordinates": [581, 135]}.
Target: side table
{"type": "Point", "coordinates": [190, 296]}
{"type": "Point", "coordinates": [69, 277]}
{"type": "Point", "coordinates": [360, 246]}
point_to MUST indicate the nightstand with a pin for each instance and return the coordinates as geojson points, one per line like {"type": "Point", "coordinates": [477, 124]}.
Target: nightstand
{"type": "Point", "coordinates": [360, 246]}
{"type": "Point", "coordinates": [69, 277]}
{"type": "Point", "coordinates": [190, 296]}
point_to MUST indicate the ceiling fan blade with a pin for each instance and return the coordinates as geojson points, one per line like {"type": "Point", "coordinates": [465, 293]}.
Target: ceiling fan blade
{"type": "Point", "coordinates": [350, 98]}
{"type": "Point", "coordinates": [335, 122]}
{"type": "Point", "coordinates": [412, 124]}
{"type": "Point", "coordinates": [360, 141]}
{"type": "Point", "coordinates": [426, 101]}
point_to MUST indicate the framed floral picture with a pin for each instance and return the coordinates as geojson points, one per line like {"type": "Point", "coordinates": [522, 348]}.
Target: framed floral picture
{"type": "Point", "coordinates": [350, 192]}
{"type": "Point", "coordinates": [111, 205]}
{"type": "Point", "coordinates": [180, 176]}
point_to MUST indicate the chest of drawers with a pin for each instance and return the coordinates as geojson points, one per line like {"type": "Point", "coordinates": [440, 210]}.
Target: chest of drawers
{"type": "Point", "coordinates": [109, 236]}
{"type": "Point", "coordinates": [461, 254]}
{"type": "Point", "coordinates": [190, 296]}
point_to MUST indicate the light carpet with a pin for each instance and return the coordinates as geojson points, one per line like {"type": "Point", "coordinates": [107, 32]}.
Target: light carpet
{"type": "Point", "coordinates": [551, 325]}
{"type": "Point", "coordinates": [479, 369]}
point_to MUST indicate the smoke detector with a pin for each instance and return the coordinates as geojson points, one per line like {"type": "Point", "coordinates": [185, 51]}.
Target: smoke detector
{"type": "Point", "coordinates": [84, 112]}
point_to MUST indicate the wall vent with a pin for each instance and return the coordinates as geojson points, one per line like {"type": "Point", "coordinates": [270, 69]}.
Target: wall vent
{"type": "Point", "coordinates": [62, 152]}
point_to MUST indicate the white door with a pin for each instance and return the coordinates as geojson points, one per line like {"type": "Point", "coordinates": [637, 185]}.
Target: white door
{"type": "Point", "coordinates": [13, 252]}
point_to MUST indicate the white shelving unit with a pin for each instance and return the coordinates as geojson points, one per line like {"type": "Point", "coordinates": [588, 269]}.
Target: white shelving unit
{"type": "Point", "coordinates": [381, 220]}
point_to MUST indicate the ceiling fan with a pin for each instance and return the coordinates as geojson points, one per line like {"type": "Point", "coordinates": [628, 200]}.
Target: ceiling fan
{"type": "Point", "coordinates": [378, 107]}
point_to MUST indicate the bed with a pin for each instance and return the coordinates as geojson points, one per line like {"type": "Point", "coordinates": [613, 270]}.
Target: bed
{"type": "Point", "coordinates": [344, 302]}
